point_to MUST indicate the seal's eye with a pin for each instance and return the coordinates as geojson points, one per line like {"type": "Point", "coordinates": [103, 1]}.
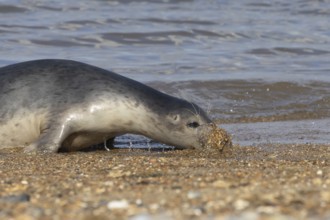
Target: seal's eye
{"type": "Point", "coordinates": [193, 124]}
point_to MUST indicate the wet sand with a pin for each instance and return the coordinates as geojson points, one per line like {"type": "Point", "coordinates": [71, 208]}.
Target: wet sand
{"type": "Point", "coordinates": [265, 182]}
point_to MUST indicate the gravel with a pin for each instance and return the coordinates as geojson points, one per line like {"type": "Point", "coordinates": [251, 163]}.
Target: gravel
{"type": "Point", "coordinates": [265, 182]}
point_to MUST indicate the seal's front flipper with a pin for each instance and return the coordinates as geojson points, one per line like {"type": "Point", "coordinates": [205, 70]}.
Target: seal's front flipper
{"type": "Point", "coordinates": [43, 147]}
{"type": "Point", "coordinates": [50, 140]}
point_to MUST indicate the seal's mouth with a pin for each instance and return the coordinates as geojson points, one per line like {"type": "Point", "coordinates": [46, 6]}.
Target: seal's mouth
{"type": "Point", "coordinates": [215, 138]}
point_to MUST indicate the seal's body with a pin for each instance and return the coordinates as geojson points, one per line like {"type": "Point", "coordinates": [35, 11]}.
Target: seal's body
{"type": "Point", "coordinates": [46, 105]}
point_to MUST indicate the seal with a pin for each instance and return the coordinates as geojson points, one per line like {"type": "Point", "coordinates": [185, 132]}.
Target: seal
{"type": "Point", "coordinates": [48, 105]}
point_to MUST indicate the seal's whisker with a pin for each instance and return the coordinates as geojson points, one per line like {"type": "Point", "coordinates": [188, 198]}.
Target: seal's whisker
{"type": "Point", "coordinates": [196, 112]}
{"type": "Point", "coordinates": [208, 108]}
{"type": "Point", "coordinates": [199, 111]}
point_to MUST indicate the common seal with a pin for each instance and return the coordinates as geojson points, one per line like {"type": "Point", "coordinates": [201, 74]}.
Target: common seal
{"type": "Point", "coordinates": [50, 104]}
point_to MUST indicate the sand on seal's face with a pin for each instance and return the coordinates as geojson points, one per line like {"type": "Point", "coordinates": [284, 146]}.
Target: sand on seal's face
{"type": "Point", "coordinates": [216, 138]}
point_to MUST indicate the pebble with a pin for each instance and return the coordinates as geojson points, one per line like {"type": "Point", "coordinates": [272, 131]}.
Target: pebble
{"type": "Point", "coordinates": [221, 184]}
{"type": "Point", "coordinates": [241, 204]}
{"type": "Point", "coordinates": [319, 172]}
{"type": "Point", "coordinates": [16, 198]}
{"type": "Point", "coordinates": [116, 173]}
{"type": "Point", "coordinates": [243, 216]}
{"type": "Point", "coordinates": [139, 202]}
{"type": "Point", "coordinates": [154, 206]}
{"type": "Point", "coordinates": [250, 215]}
{"type": "Point", "coordinates": [266, 209]}
{"type": "Point", "coordinates": [193, 194]}
{"type": "Point", "coordinates": [24, 182]}
{"type": "Point", "coordinates": [147, 216]}
{"type": "Point", "coordinates": [143, 216]}
{"type": "Point", "coordinates": [118, 204]}
{"type": "Point", "coordinates": [197, 211]}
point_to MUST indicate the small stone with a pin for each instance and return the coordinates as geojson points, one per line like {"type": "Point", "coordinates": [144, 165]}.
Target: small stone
{"type": "Point", "coordinates": [118, 204]}
{"type": "Point", "coordinates": [24, 182]}
{"type": "Point", "coordinates": [319, 172]}
{"type": "Point", "coordinates": [116, 173]}
{"type": "Point", "coordinates": [245, 215]}
{"type": "Point", "coordinates": [119, 173]}
{"type": "Point", "coordinates": [154, 206]}
{"type": "Point", "coordinates": [138, 202]}
{"type": "Point", "coordinates": [241, 204]}
{"type": "Point", "coordinates": [221, 184]}
{"type": "Point", "coordinates": [16, 198]}
{"type": "Point", "coordinates": [35, 212]}
{"type": "Point", "coordinates": [197, 211]}
{"type": "Point", "coordinates": [143, 216]}
{"type": "Point", "coordinates": [109, 183]}
{"type": "Point", "coordinates": [266, 209]}
{"type": "Point", "coordinates": [193, 194]}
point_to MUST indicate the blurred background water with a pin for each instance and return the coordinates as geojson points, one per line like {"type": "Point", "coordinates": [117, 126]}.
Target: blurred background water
{"type": "Point", "coordinates": [261, 68]}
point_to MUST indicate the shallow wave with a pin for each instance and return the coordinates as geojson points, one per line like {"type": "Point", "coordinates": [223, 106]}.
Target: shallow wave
{"type": "Point", "coordinates": [283, 132]}
{"type": "Point", "coordinates": [281, 50]}
{"type": "Point", "coordinates": [250, 101]}
{"type": "Point", "coordinates": [11, 9]}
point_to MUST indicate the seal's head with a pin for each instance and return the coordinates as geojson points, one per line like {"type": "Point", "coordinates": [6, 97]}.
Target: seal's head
{"type": "Point", "coordinates": [186, 125]}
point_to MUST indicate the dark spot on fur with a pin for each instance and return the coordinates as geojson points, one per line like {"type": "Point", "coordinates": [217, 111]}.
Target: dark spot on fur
{"type": "Point", "coordinates": [17, 124]}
